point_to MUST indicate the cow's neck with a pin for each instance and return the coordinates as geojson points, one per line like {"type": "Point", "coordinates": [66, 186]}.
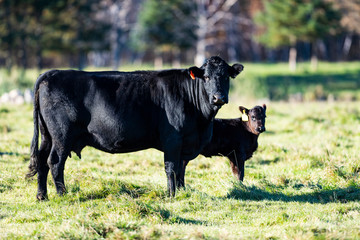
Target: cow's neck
{"type": "Point", "coordinates": [199, 98]}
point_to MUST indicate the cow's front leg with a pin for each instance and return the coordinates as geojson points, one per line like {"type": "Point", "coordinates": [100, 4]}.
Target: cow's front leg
{"type": "Point", "coordinates": [172, 167]}
{"type": "Point", "coordinates": [171, 178]}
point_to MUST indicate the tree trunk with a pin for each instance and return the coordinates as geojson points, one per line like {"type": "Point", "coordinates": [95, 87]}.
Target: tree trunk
{"type": "Point", "coordinates": [292, 58]}
{"type": "Point", "coordinates": [38, 37]}
{"type": "Point", "coordinates": [200, 55]}
{"type": "Point", "coordinates": [9, 58]}
{"type": "Point", "coordinates": [314, 58]}
{"type": "Point", "coordinates": [24, 60]}
{"type": "Point", "coordinates": [117, 47]}
{"type": "Point", "coordinates": [39, 58]}
{"type": "Point", "coordinates": [116, 50]}
{"type": "Point", "coordinates": [39, 48]}
{"type": "Point", "coordinates": [176, 62]}
{"type": "Point", "coordinates": [201, 42]}
{"type": "Point", "coordinates": [81, 59]}
{"type": "Point", "coordinates": [232, 42]}
{"type": "Point", "coordinates": [255, 51]}
{"type": "Point", "coordinates": [347, 46]}
{"type": "Point", "coordinates": [158, 62]}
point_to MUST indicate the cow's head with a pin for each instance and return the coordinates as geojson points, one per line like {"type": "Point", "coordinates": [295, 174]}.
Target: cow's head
{"type": "Point", "coordinates": [255, 118]}
{"type": "Point", "coordinates": [215, 73]}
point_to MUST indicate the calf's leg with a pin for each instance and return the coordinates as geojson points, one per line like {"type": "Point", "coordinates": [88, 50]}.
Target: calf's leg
{"type": "Point", "coordinates": [237, 165]}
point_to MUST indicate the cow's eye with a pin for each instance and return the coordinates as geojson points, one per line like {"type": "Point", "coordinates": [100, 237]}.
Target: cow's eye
{"type": "Point", "coordinates": [253, 118]}
{"type": "Point", "coordinates": [206, 78]}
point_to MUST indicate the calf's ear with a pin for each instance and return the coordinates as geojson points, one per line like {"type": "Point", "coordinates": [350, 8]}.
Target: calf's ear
{"type": "Point", "coordinates": [244, 110]}
{"type": "Point", "coordinates": [244, 113]}
{"type": "Point", "coordinates": [196, 72]}
{"type": "Point", "coordinates": [264, 107]}
{"type": "Point", "coordinates": [235, 70]}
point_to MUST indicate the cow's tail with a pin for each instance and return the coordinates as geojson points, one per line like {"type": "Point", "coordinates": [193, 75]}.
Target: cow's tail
{"type": "Point", "coordinates": [34, 148]}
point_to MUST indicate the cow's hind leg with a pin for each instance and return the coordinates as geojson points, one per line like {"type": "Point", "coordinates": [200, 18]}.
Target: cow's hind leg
{"type": "Point", "coordinates": [56, 162]}
{"type": "Point", "coordinates": [43, 168]}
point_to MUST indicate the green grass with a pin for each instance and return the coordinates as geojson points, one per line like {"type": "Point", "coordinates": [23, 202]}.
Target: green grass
{"type": "Point", "coordinates": [302, 183]}
{"type": "Point", "coordinates": [339, 80]}
{"type": "Point", "coordinates": [17, 79]}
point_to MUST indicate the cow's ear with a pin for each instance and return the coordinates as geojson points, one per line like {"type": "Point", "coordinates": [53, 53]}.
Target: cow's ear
{"type": "Point", "coordinates": [235, 70]}
{"type": "Point", "coordinates": [264, 107]}
{"type": "Point", "coordinates": [244, 110]}
{"type": "Point", "coordinates": [196, 72]}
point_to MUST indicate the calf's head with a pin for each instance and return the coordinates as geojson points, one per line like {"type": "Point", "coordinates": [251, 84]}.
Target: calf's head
{"type": "Point", "coordinates": [216, 73]}
{"type": "Point", "coordinates": [255, 118]}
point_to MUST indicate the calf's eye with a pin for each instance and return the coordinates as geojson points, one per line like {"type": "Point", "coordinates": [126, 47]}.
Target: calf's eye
{"type": "Point", "coordinates": [207, 78]}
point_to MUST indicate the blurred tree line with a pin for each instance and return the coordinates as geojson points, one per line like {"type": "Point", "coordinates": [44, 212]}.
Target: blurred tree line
{"type": "Point", "coordinates": [77, 33]}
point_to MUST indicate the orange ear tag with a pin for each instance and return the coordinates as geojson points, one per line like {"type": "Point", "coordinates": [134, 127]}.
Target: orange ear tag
{"type": "Point", "coordinates": [192, 75]}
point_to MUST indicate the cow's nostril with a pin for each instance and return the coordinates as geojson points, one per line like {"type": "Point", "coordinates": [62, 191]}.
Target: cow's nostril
{"type": "Point", "coordinates": [218, 99]}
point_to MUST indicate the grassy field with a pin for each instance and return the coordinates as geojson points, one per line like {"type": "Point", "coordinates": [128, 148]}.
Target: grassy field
{"type": "Point", "coordinates": [339, 81]}
{"type": "Point", "coordinates": [302, 183]}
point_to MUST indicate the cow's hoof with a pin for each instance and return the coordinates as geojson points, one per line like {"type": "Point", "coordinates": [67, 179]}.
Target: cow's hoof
{"type": "Point", "coordinates": [41, 197]}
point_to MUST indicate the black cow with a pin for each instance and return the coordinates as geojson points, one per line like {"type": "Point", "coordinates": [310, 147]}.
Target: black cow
{"type": "Point", "coordinates": [236, 138]}
{"type": "Point", "coordinates": [118, 112]}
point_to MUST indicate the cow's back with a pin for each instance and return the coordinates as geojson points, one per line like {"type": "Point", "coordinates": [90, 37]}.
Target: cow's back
{"type": "Point", "coordinates": [111, 111]}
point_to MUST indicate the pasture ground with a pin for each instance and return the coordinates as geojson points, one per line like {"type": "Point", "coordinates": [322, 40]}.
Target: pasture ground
{"type": "Point", "coordinates": [302, 183]}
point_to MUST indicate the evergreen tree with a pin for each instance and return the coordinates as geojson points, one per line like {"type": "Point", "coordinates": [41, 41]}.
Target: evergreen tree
{"type": "Point", "coordinates": [285, 22]}
{"type": "Point", "coordinates": [30, 27]}
{"type": "Point", "coordinates": [74, 29]}
{"type": "Point", "coordinates": [165, 26]}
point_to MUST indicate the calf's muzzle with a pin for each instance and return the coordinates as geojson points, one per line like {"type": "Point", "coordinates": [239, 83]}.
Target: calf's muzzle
{"type": "Point", "coordinates": [261, 129]}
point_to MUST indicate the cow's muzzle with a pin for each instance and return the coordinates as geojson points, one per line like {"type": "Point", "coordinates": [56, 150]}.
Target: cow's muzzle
{"type": "Point", "coordinates": [218, 100]}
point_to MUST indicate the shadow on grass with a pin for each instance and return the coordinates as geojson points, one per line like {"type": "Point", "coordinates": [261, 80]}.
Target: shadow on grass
{"type": "Point", "coordinates": [6, 187]}
{"type": "Point", "coordinates": [243, 192]}
{"type": "Point", "coordinates": [279, 87]}
{"type": "Point", "coordinates": [169, 217]}
{"type": "Point", "coordinates": [146, 200]}
{"type": "Point", "coordinates": [10, 154]}
{"type": "Point", "coordinates": [117, 188]}
{"type": "Point", "coordinates": [23, 157]}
